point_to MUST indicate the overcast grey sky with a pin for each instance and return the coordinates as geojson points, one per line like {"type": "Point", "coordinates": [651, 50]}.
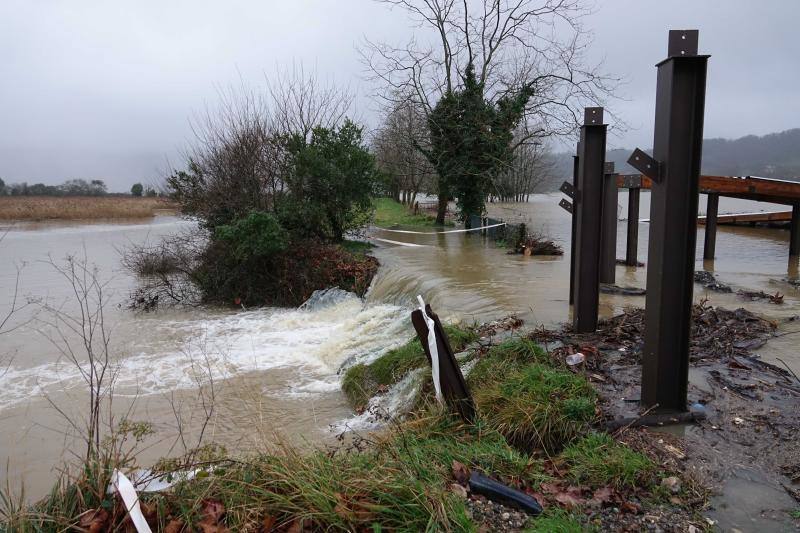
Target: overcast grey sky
{"type": "Point", "coordinates": [99, 89]}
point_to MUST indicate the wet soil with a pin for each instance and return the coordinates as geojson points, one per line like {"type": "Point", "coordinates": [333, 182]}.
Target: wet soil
{"type": "Point", "coordinates": [745, 449]}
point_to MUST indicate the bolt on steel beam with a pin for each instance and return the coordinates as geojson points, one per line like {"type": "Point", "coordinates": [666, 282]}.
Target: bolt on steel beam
{"type": "Point", "coordinates": [586, 280]}
{"type": "Point", "coordinates": [608, 251]}
{"type": "Point", "coordinates": [675, 171]}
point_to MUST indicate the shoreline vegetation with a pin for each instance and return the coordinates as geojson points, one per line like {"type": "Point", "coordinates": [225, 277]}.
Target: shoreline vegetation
{"type": "Point", "coordinates": [537, 431]}
{"type": "Point", "coordinates": [41, 208]}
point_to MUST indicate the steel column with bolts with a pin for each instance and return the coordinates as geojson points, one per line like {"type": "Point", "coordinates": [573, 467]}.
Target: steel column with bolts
{"type": "Point", "coordinates": [710, 242]}
{"type": "Point", "coordinates": [589, 196]}
{"type": "Point", "coordinates": [608, 251]}
{"type": "Point", "coordinates": [794, 231]}
{"type": "Point", "coordinates": [632, 243]}
{"type": "Point", "coordinates": [675, 171]}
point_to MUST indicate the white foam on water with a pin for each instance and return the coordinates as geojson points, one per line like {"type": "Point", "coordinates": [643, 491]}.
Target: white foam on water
{"type": "Point", "coordinates": [333, 327]}
{"type": "Point", "coordinates": [398, 399]}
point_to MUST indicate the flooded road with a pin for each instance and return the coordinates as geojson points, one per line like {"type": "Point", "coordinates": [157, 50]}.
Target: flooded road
{"type": "Point", "coordinates": [273, 373]}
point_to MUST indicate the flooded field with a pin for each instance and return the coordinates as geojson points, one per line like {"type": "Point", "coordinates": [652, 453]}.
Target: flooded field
{"type": "Point", "coordinates": [273, 373]}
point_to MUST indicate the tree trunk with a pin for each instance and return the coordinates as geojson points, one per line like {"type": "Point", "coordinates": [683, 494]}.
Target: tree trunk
{"type": "Point", "coordinates": [441, 209]}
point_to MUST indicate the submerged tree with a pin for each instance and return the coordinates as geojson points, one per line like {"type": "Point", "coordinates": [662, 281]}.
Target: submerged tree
{"type": "Point", "coordinates": [471, 140]}
{"type": "Point", "coordinates": [513, 46]}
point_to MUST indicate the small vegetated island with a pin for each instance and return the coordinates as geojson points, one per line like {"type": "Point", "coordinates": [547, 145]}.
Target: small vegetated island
{"type": "Point", "coordinates": [273, 207]}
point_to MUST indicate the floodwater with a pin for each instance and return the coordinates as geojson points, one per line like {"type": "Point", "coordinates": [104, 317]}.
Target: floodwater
{"type": "Point", "coordinates": [272, 374]}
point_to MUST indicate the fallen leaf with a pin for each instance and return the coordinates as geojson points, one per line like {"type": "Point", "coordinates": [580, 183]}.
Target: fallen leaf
{"type": "Point", "coordinates": [460, 472]}
{"type": "Point", "coordinates": [213, 510]}
{"type": "Point", "coordinates": [295, 527]}
{"type": "Point", "coordinates": [550, 488]}
{"type": "Point", "coordinates": [174, 526]}
{"type": "Point", "coordinates": [572, 497]}
{"type": "Point", "coordinates": [268, 524]}
{"type": "Point", "coordinates": [212, 514]}
{"type": "Point", "coordinates": [459, 490]}
{"type": "Point", "coordinates": [94, 521]}
{"type": "Point", "coordinates": [629, 507]}
{"type": "Point", "coordinates": [602, 496]}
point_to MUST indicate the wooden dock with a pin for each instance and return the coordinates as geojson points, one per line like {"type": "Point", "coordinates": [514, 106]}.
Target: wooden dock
{"type": "Point", "coordinates": [771, 190]}
{"type": "Point", "coordinates": [751, 219]}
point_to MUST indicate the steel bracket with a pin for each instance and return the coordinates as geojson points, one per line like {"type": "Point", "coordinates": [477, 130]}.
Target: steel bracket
{"type": "Point", "coordinates": [608, 167]}
{"type": "Point", "coordinates": [631, 181]}
{"type": "Point", "coordinates": [593, 116]}
{"type": "Point", "coordinates": [568, 189]}
{"type": "Point", "coordinates": [683, 43]}
{"type": "Point", "coordinates": [641, 161]}
{"type": "Point", "coordinates": [566, 205]}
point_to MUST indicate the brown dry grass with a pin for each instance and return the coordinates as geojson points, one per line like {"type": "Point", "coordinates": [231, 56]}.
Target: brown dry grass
{"type": "Point", "coordinates": [80, 207]}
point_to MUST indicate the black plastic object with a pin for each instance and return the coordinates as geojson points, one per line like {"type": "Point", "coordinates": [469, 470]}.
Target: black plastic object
{"type": "Point", "coordinates": [454, 388]}
{"type": "Point", "coordinates": [497, 492]}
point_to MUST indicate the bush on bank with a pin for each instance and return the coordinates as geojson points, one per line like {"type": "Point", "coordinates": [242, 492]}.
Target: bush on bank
{"type": "Point", "coordinates": [275, 210]}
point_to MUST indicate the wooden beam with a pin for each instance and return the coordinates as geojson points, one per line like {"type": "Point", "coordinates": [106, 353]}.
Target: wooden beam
{"type": "Point", "coordinates": [751, 188]}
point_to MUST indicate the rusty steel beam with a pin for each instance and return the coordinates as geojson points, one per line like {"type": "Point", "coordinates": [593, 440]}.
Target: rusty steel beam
{"type": "Point", "coordinates": [710, 240]}
{"type": "Point", "coordinates": [608, 250]}
{"type": "Point", "coordinates": [675, 172]}
{"type": "Point", "coordinates": [588, 213]}
{"type": "Point", "coordinates": [794, 232]}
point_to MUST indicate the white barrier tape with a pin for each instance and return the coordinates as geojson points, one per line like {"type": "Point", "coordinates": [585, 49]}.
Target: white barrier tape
{"type": "Point", "coordinates": [441, 232]}
{"type": "Point", "coordinates": [433, 349]}
{"type": "Point", "coordinates": [125, 489]}
{"type": "Point", "coordinates": [410, 244]}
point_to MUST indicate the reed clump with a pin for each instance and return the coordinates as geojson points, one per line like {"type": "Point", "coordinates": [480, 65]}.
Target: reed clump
{"type": "Point", "coordinates": [35, 208]}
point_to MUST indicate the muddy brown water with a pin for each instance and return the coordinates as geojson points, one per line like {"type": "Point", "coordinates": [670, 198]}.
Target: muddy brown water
{"type": "Point", "coordinates": [275, 371]}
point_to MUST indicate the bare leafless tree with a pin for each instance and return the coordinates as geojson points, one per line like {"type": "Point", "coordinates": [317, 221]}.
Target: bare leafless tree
{"type": "Point", "coordinates": [530, 168]}
{"type": "Point", "coordinates": [539, 44]}
{"type": "Point", "coordinates": [511, 43]}
{"type": "Point", "coordinates": [300, 101]}
{"type": "Point", "coordinates": [395, 144]}
{"type": "Point", "coordinates": [237, 157]}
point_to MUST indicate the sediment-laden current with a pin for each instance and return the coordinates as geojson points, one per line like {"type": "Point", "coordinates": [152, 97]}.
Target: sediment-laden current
{"type": "Point", "coordinates": [273, 374]}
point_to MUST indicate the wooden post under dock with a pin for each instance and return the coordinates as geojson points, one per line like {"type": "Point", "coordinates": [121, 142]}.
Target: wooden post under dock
{"type": "Point", "coordinates": [710, 243]}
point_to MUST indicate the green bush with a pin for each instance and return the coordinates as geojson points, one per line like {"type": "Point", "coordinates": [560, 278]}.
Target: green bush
{"type": "Point", "coordinates": [258, 235]}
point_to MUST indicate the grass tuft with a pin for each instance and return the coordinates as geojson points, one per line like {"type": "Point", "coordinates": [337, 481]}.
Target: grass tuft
{"type": "Point", "coordinates": [599, 460]}
{"type": "Point", "coordinates": [362, 381]}
{"type": "Point", "coordinates": [535, 405]}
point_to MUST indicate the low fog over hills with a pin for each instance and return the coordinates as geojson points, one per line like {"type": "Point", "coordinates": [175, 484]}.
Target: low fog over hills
{"type": "Point", "coordinates": [776, 155]}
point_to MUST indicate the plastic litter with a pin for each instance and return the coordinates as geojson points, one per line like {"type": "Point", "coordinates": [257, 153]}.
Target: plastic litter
{"type": "Point", "coordinates": [575, 359]}
{"type": "Point", "coordinates": [125, 489]}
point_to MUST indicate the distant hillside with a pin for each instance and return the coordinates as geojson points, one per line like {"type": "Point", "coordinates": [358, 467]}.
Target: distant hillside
{"type": "Point", "coordinates": [776, 155]}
